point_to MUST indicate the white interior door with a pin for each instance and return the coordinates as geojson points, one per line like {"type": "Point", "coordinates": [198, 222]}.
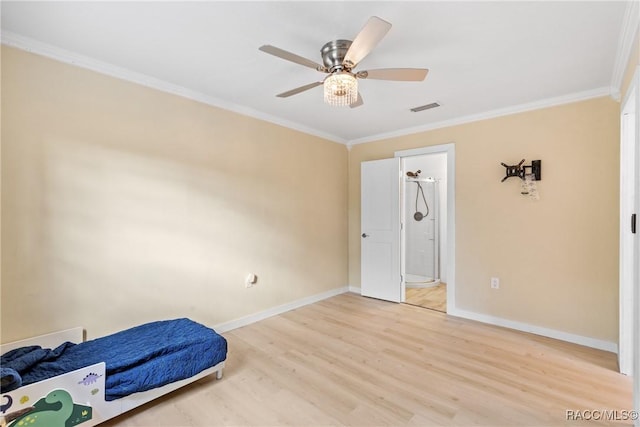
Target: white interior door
{"type": "Point", "coordinates": [630, 324]}
{"type": "Point", "coordinates": [628, 237]}
{"type": "Point", "coordinates": [380, 229]}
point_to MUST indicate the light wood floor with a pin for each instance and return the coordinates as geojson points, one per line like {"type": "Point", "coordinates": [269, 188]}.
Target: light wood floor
{"type": "Point", "coordinates": [434, 297]}
{"type": "Point", "coordinates": [350, 360]}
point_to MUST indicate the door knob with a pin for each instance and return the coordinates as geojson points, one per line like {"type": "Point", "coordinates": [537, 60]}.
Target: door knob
{"type": "Point", "coordinates": [365, 235]}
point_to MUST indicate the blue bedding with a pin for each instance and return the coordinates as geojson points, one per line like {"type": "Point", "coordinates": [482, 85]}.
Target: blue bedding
{"type": "Point", "coordinates": [137, 359]}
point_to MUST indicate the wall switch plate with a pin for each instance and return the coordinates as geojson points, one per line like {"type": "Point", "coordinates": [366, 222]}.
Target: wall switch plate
{"type": "Point", "coordinates": [495, 283]}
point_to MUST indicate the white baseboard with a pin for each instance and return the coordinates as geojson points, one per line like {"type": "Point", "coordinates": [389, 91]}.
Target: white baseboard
{"type": "Point", "coordinates": [484, 318]}
{"type": "Point", "coordinates": [252, 318]}
{"type": "Point", "coordinates": [537, 330]}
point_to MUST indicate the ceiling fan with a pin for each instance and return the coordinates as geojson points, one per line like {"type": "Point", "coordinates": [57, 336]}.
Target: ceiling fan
{"type": "Point", "coordinates": [340, 58]}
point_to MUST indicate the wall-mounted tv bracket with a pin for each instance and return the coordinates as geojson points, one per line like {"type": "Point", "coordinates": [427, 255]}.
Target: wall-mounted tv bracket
{"type": "Point", "coordinates": [520, 170]}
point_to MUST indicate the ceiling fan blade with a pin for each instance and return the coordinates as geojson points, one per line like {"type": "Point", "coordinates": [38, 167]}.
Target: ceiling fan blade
{"type": "Point", "coordinates": [358, 102]}
{"type": "Point", "coordinates": [298, 90]}
{"type": "Point", "coordinates": [280, 53]}
{"type": "Point", "coordinates": [399, 74]}
{"type": "Point", "coordinates": [373, 31]}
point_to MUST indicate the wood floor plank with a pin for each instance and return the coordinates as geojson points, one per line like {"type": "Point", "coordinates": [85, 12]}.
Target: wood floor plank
{"type": "Point", "coordinates": [433, 297]}
{"type": "Point", "coordinates": [356, 361]}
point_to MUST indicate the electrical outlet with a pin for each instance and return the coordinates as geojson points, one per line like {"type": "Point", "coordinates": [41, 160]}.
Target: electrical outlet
{"type": "Point", "coordinates": [495, 283]}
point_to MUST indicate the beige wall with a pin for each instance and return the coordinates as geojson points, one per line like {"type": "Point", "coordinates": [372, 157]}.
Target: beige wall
{"type": "Point", "coordinates": [557, 258]}
{"type": "Point", "coordinates": [122, 204]}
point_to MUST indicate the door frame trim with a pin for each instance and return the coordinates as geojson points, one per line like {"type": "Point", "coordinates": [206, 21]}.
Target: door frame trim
{"type": "Point", "coordinates": [450, 150]}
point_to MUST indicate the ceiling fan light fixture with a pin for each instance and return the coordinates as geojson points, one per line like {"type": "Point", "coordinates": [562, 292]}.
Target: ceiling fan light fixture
{"type": "Point", "coordinates": [340, 89]}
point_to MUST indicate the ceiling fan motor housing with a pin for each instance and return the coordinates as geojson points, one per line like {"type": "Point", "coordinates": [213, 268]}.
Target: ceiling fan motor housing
{"type": "Point", "coordinates": [333, 54]}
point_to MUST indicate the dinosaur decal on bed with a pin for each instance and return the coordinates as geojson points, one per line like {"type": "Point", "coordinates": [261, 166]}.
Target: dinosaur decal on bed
{"type": "Point", "coordinates": [56, 409]}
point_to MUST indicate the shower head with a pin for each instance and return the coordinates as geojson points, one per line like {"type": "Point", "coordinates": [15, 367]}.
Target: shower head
{"type": "Point", "coordinates": [414, 174]}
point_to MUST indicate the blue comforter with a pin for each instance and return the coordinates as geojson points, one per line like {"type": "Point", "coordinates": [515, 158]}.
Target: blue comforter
{"type": "Point", "coordinates": [137, 359]}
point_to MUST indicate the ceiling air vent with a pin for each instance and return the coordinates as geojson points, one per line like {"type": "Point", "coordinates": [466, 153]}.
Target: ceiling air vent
{"type": "Point", "coordinates": [425, 107]}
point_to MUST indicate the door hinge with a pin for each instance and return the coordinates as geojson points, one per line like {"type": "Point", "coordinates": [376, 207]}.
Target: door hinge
{"type": "Point", "coordinates": [633, 223]}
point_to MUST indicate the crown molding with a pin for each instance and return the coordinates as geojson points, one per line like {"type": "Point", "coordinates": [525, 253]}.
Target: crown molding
{"type": "Point", "coordinates": [626, 39]}
{"type": "Point", "coordinates": [30, 45]}
{"type": "Point", "coordinates": [33, 46]}
{"type": "Point", "coordinates": [537, 105]}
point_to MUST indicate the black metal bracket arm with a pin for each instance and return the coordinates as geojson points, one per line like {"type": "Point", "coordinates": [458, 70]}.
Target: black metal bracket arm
{"type": "Point", "coordinates": [520, 170]}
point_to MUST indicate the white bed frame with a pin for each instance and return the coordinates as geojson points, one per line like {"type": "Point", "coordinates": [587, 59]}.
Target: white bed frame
{"type": "Point", "coordinates": [82, 394]}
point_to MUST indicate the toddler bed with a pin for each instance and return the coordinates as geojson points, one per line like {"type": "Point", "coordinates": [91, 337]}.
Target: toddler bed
{"type": "Point", "coordinates": [67, 384]}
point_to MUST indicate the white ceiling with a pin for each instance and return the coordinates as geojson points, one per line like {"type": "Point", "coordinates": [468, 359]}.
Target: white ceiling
{"type": "Point", "coordinates": [484, 57]}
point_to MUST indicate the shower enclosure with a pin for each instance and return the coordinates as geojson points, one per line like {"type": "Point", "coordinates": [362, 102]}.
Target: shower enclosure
{"type": "Point", "coordinates": [421, 231]}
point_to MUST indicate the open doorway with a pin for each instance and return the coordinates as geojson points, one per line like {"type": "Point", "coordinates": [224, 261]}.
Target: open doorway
{"type": "Point", "coordinates": [424, 237]}
{"type": "Point", "coordinates": [382, 255]}
{"type": "Point", "coordinates": [428, 226]}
